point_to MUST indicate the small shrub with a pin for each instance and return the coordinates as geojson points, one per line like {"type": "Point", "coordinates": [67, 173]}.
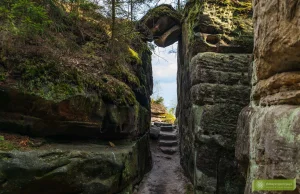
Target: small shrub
{"type": "Point", "coordinates": [159, 100]}
{"type": "Point", "coordinates": [23, 17]}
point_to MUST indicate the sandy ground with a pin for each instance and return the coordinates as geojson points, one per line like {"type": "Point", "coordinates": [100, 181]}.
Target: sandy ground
{"type": "Point", "coordinates": [166, 176]}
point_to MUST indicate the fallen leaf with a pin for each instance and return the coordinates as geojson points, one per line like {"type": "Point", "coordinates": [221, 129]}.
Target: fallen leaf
{"type": "Point", "coordinates": [112, 144]}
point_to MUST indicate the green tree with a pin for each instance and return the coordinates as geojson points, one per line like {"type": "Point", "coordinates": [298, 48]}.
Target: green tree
{"type": "Point", "coordinates": [23, 18]}
{"type": "Point", "coordinates": [113, 17]}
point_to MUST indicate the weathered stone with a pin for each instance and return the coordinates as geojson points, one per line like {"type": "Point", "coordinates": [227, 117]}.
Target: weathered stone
{"type": "Point", "coordinates": [164, 24]}
{"type": "Point", "coordinates": [268, 131]}
{"type": "Point", "coordinates": [217, 68]}
{"type": "Point", "coordinates": [275, 155]}
{"type": "Point", "coordinates": [169, 37]}
{"type": "Point", "coordinates": [80, 116]}
{"type": "Point", "coordinates": [74, 168]}
{"type": "Point", "coordinates": [277, 41]}
{"type": "Point", "coordinates": [282, 88]}
{"type": "Point", "coordinates": [77, 88]}
{"type": "Point", "coordinates": [213, 87]}
{"type": "Point", "coordinates": [154, 132]}
{"type": "Point", "coordinates": [214, 26]}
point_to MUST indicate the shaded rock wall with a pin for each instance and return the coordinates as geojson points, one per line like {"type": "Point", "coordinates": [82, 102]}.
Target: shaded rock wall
{"type": "Point", "coordinates": [268, 131]}
{"type": "Point", "coordinates": [77, 168]}
{"type": "Point", "coordinates": [90, 165]}
{"type": "Point", "coordinates": [80, 105]}
{"type": "Point", "coordinates": [86, 96]}
{"type": "Point", "coordinates": [213, 87]}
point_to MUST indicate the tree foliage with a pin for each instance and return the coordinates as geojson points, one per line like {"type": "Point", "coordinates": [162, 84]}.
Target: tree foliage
{"type": "Point", "coordinates": [23, 17]}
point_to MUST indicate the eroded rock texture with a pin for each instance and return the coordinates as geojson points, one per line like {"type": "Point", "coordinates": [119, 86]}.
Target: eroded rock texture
{"type": "Point", "coordinates": [161, 24]}
{"type": "Point", "coordinates": [85, 95]}
{"type": "Point", "coordinates": [48, 100]}
{"type": "Point", "coordinates": [213, 87]}
{"type": "Point", "coordinates": [78, 168]}
{"type": "Point", "coordinates": [268, 131]}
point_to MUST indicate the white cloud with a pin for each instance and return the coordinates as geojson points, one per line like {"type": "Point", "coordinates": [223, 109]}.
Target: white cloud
{"type": "Point", "coordinates": [164, 67]}
{"type": "Point", "coordinates": [169, 93]}
{"type": "Point", "coordinates": [165, 72]}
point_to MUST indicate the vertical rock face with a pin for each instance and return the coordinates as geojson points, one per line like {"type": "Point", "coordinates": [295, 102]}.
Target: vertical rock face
{"type": "Point", "coordinates": [268, 143]}
{"type": "Point", "coordinates": [213, 87]}
{"type": "Point", "coordinates": [74, 106]}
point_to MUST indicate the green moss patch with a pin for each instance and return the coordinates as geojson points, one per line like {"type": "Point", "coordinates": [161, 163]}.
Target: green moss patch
{"type": "Point", "coordinates": [231, 19]}
{"type": "Point", "coordinates": [115, 91]}
{"type": "Point", "coordinates": [49, 79]}
{"type": "Point", "coordinates": [45, 78]}
{"type": "Point", "coordinates": [7, 146]}
{"type": "Point", "coordinates": [160, 11]}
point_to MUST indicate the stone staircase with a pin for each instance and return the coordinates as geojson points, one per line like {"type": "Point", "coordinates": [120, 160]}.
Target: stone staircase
{"type": "Point", "coordinates": [168, 139]}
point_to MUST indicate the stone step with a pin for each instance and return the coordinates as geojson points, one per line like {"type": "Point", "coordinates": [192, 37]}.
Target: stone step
{"type": "Point", "coordinates": [167, 136]}
{"type": "Point", "coordinates": [166, 128]}
{"type": "Point", "coordinates": [168, 150]}
{"type": "Point", "coordinates": [166, 124]}
{"type": "Point", "coordinates": [168, 143]}
{"type": "Point", "coordinates": [158, 124]}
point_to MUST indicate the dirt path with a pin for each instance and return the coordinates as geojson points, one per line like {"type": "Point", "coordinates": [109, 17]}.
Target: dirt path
{"type": "Point", "coordinates": [166, 176]}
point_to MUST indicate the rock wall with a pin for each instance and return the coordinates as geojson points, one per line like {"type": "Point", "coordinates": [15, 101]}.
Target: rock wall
{"type": "Point", "coordinates": [269, 128]}
{"type": "Point", "coordinates": [47, 100]}
{"type": "Point", "coordinates": [74, 168]}
{"type": "Point", "coordinates": [213, 87]}
{"type": "Point", "coordinates": [84, 96]}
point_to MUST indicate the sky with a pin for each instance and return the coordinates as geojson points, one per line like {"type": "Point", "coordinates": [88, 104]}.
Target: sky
{"type": "Point", "coordinates": [164, 67]}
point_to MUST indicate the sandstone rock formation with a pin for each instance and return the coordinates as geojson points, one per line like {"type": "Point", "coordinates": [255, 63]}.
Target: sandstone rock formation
{"type": "Point", "coordinates": [84, 96]}
{"type": "Point", "coordinates": [269, 129]}
{"type": "Point", "coordinates": [168, 139]}
{"type": "Point", "coordinates": [158, 112]}
{"type": "Point", "coordinates": [213, 87]}
{"type": "Point", "coordinates": [79, 168]}
{"type": "Point", "coordinates": [162, 25]}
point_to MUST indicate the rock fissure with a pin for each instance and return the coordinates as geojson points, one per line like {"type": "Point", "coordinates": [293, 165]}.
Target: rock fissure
{"type": "Point", "coordinates": [85, 130]}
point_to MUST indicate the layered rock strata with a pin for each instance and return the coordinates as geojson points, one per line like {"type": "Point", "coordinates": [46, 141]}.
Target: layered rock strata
{"type": "Point", "coordinates": [213, 87]}
{"type": "Point", "coordinates": [85, 97]}
{"type": "Point", "coordinates": [269, 128]}
{"type": "Point", "coordinates": [74, 168]}
{"type": "Point", "coordinates": [161, 24]}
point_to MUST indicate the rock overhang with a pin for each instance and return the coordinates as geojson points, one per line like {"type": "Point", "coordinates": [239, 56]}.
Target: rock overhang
{"type": "Point", "coordinates": [162, 25]}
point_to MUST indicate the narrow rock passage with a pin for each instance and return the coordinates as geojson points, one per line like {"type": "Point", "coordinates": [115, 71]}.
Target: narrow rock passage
{"type": "Point", "coordinates": [166, 176]}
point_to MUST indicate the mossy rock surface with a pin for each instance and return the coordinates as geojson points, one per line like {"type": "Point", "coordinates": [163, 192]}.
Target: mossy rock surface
{"type": "Point", "coordinates": [72, 79]}
{"type": "Point", "coordinates": [161, 11]}
{"type": "Point", "coordinates": [74, 168]}
{"type": "Point", "coordinates": [161, 24]}
{"type": "Point", "coordinates": [219, 26]}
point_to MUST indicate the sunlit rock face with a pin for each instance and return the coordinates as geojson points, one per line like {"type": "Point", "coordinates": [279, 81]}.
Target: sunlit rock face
{"type": "Point", "coordinates": [214, 56]}
{"type": "Point", "coordinates": [268, 143]}
{"type": "Point", "coordinates": [162, 25]}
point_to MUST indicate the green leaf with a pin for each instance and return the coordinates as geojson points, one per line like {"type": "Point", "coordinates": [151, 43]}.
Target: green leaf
{"type": "Point", "coordinates": [1, 138]}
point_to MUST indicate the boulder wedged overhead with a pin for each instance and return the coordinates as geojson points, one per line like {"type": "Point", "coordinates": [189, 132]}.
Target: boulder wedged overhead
{"type": "Point", "coordinates": [169, 37]}
{"type": "Point", "coordinates": [162, 25]}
